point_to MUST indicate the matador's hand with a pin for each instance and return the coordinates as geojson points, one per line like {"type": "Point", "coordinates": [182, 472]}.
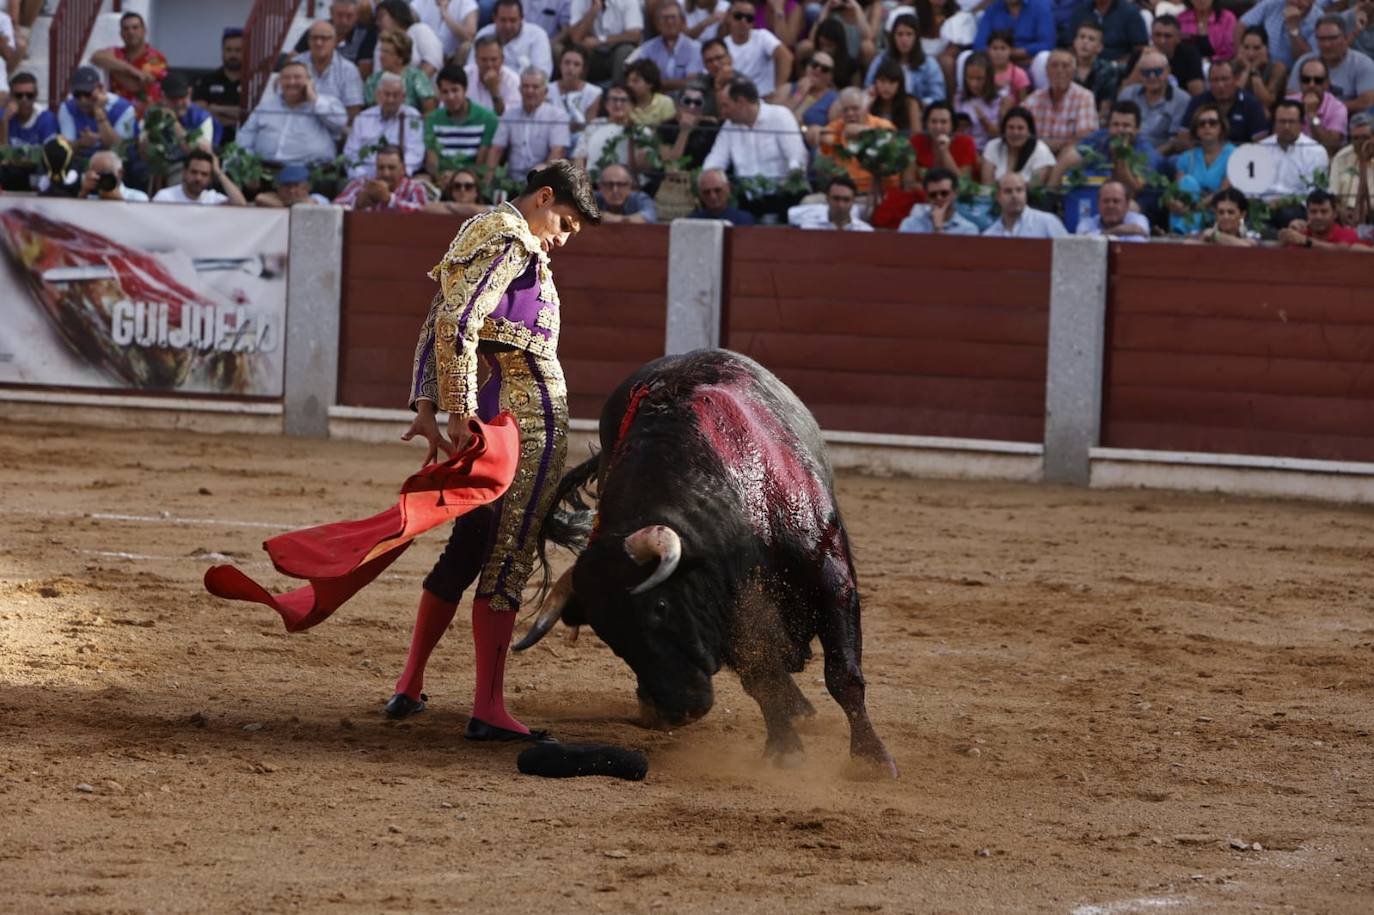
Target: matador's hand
{"type": "Point", "coordinates": [458, 432]}
{"type": "Point", "coordinates": [427, 427]}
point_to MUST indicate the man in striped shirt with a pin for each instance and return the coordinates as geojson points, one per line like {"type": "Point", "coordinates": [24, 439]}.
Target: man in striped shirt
{"type": "Point", "coordinates": [459, 131]}
{"type": "Point", "coordinates": [390, 190]}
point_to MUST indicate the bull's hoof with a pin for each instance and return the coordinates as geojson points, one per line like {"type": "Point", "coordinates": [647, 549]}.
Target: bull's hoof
{"type": "Point", "coordinates": [874, 766]}
{"type": "Point", "coordinates": [785, 751]}
{"type": "Point", "coordinates": [402, 706]}
{"type": "Point", "coordinates": [787, 760]}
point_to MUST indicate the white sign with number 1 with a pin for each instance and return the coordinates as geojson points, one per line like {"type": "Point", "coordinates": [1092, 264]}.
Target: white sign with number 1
{"type": "Point", "coordinates": [1251, 169]}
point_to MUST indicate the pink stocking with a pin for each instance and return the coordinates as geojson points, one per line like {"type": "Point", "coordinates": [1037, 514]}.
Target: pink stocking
{"type": "Point", "coordinates": [431, 621]}
{"type": "Point", "coordinates": [491, 633]}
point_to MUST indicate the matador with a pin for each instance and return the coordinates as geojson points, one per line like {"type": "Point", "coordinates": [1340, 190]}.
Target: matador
{"type": "Point", "coordinates": [496, 303]}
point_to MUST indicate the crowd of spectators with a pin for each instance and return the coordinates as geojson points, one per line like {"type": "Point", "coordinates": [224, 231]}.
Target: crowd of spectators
{"type": "Point", "coordinates": [1017, 118]}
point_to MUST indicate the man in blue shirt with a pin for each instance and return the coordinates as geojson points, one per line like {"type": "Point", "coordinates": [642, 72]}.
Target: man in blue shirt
{"type": "Point", "coordinates": [1123, 29]}
{"type": "Point", "coordinates": [713, 192]}
{"type": "Point", "coordinates": [1101, 153]}
{"type": "Point", "coordinates": [1031, 24]}
{"type": "Point", "coordinates": [940, 216]}
{"type": "Point", "coordinates": [24, 125]}
{"type": "Point", "coordinates": [92, 119]}
{"type": "Point", "coordinates": [1241, 112]}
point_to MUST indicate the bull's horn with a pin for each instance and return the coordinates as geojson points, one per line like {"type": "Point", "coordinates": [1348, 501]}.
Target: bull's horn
{"type": "Point", "coordinates": [654, 542]}
{"type": "Point", "coordinates": [550, 611]}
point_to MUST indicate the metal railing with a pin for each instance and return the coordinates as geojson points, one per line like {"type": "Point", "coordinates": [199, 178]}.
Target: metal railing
{"type": "Point", "coordinates": [263, 34]}
{"type": "Point", "coordinates": [71, 29]}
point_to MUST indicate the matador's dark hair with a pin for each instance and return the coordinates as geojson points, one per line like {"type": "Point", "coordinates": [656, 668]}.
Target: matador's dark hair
{"type": "Point", "coordinates": [570, 186]}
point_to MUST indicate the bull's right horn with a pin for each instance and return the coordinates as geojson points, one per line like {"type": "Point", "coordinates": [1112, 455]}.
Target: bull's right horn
{"type": "Point", "coordinates": [658, 541]}
{"type": "Point", "coordinates": [550, 611]}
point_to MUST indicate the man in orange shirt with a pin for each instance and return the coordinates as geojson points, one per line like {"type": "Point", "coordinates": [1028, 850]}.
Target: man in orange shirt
{"type": "Point", "coordinates": [854, 120]}
{"type": "Point", "coordinates": [136, 70]}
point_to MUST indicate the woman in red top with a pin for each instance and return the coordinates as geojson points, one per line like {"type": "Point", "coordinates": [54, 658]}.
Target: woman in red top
{"type": "Point", "coordinates": [940, 146]}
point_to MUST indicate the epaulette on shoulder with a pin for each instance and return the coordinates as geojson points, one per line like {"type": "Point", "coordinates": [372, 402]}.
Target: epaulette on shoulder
{"type": "Point", "coordinates": [480, 231]}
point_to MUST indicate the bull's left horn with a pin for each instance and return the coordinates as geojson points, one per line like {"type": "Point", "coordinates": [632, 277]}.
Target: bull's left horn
{"type": "Point", "coordinates": [549, 612]}
{"type": "Point", "coordinates": [659, 542]}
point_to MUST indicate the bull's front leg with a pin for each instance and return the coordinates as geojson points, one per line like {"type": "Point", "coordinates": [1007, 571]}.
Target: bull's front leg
{"type": "Point", "coordinates": [842, 643]}
{"type": "Point", "coordinates": [777, 697]}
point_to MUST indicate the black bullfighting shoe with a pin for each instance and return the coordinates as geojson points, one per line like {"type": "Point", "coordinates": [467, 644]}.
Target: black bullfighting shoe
{"type": "Point", "coordinates": [480, 730]}
{"type": "Point", "coordinates": [402, 706]}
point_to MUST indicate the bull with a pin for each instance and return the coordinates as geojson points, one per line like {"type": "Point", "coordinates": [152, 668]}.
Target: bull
{"type": "Point", "coordinates": [716, 542]}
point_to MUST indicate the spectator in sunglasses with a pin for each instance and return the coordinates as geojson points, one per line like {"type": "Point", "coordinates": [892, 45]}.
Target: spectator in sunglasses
{"type": "Point", "coordinates": [92, 119]}
{"type": "Point", "coordinates": [1350, 77]}
{"type": "Point", "coordinates": [1324, 119]}
{"type": "Point", "coordinates": [1201, 171]}
{"type": "Point", "coordinates": [1185, 63]}
{"type": "Point", "coordinates": [619, 199]}
{"type": "Point", "coordinates": [1242, 116]}
{"type": "Point", "coordinates": [811, 96]}
{"type": "Point", "coordinates": [757, 53]}
{"type": "Point", "coordinates": [1162, 106]}
{"type": "Point", "coordinates": [461, 197]}
{"type": "Point", "coordinates": [690, 133]}
{"type": "Point", "coordinates": [939, 216]}
{"type": "Point", "coordinates": [24, 124]}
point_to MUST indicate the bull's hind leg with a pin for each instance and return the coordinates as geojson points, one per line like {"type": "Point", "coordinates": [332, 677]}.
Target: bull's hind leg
{"type": "Point", "coordinates": [842, 643]}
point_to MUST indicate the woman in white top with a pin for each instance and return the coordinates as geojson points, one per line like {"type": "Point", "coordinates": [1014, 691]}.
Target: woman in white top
{"type": "Point", "coordinates": [396, 15]}
{"type": "Point", "coordinates": [611, 130]}
{"type": "Point", "coordinates": [579, 98]}
{"type": "Point", "coordinates": [1017, 150]}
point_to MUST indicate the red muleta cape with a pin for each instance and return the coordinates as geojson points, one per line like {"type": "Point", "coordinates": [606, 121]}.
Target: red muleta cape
{"type": "Point", "coordinates": [341, 559]}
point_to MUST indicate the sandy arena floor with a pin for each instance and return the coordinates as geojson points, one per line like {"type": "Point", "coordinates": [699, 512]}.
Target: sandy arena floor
{"type": "Point", "coordinates": [1101, 702]}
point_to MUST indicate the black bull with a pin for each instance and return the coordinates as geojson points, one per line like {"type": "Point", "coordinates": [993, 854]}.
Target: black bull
{"type": "Point", "coordinates": [717, 542]}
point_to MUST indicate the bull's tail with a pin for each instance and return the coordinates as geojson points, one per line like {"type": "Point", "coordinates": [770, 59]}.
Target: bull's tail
{"type": "Point", "coordinates": [569, 520]}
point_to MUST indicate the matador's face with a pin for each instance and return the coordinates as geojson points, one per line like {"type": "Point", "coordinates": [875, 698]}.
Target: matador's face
{"type": "Point", "coordinates": [553, 223]}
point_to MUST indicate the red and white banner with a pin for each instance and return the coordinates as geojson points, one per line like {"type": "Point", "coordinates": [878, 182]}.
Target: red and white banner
{"type": "Point", "coordinates": [142, 296]}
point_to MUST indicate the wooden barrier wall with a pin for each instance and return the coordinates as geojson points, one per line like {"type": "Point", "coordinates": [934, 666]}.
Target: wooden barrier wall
{"type": "Point", "coordinates": [612, 283]}
{"type": "Point", "coordinates": [905, 334]}
{"type": "Point", "coordinates": [1259, 351]}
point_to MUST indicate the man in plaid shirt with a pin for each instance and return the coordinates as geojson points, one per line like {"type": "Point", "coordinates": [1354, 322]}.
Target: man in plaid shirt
{"type": "Point", "coordinates": [390, 190]}
{"type": "Point", "coordinates": [1065, 112]}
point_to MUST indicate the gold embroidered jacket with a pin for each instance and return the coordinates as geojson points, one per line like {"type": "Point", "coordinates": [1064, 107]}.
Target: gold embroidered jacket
{"type": "Point", "coordinates": [495, 284]}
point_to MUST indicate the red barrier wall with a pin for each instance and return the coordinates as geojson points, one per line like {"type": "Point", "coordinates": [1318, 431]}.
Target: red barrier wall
{"type": "Point", "coordinates": [916, 335]}
{"type": "Point", "coordinates": [612, 283]}
{"type": "Point", "coordinates": [1241, 351]}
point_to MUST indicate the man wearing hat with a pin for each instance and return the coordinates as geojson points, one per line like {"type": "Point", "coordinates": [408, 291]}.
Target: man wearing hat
{"type": "Point", "coordinates": [91, 119]}
{"type": "Point", "coordinates": [293, 189]}
{"type": "Point", "coordinates": [192, 125]}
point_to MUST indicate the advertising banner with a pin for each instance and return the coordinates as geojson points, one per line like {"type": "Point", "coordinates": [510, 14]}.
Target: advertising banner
{"type": "Point", "coordinates": [142, 296]}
